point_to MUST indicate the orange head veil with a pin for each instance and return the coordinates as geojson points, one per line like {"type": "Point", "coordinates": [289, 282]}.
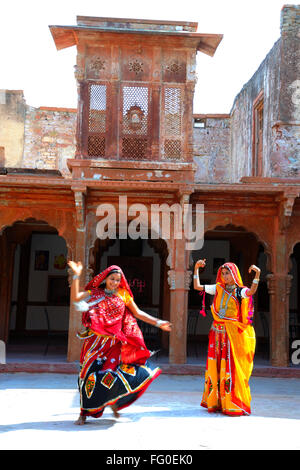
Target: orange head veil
{"type": "Point", "coordinates": [234, 271]}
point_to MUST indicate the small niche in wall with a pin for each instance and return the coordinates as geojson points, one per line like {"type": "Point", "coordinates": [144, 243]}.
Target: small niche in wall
{"type": "Point", "coordinates": [200, 123]}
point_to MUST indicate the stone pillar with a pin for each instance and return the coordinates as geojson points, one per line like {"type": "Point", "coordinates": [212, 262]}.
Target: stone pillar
{"type": "Point", "coordinates": [178, 317]}
{"type": "Point", "coordinates": [279, 286]}
{"type": "Point", "coordinates": [75, 325]}
{"type": "Point", "coordinates": [7, 252]}
{"type": "Point", "coordinates": [74, 344]}
{"type": "Point", "coordinates": [179, 280]}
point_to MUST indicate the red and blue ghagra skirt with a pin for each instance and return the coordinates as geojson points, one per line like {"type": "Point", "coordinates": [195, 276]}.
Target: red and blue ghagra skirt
{"type": "Point", "coordinates": [105, 381]}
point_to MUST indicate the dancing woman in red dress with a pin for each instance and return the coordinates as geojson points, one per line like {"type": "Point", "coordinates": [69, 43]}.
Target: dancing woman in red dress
{"type": "Point", "coordinates": [114, 370]}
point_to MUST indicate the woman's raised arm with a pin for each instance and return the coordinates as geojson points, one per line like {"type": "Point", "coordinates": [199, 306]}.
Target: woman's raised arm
{"type": "Point", "coordinates": [254, 285]}
{"type": "Point", "coordinates": [199, 264]}
{"type": "Point", "coordinates": [77, 270]}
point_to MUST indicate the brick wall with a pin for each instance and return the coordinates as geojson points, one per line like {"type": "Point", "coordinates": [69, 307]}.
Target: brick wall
{"type": "Point", "coordinates": [290, 20]}
{"type": "Point", "coordinates": [49, 138]}
{"type": "Point", "coordinates": [12, 119]}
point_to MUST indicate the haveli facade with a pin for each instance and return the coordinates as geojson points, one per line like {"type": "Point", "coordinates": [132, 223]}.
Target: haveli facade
{"type": "Point", "coordinates": [134, 134]}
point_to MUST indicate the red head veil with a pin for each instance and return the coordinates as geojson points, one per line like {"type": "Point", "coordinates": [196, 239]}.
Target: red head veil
{"type": "Point", "coordinates": [234, 271]}
{"type": "Point", "coordinates": [97, 280]}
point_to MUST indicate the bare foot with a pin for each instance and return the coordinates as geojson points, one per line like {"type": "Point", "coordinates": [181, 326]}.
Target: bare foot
{"type": "Point", "coordinates": [115, 411]}
{"type": "Point", "coordinates": [80, 420]}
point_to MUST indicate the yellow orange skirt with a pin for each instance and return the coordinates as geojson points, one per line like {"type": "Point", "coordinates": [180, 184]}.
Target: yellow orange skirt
{"type": "Point", "coordinates": [226, 386]}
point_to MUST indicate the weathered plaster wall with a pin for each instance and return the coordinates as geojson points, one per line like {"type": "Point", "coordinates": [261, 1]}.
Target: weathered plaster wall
{"type": "Point", "coordinates": [279, 78]}
{"type": "Point", "coordinates": [285, 156]}
{"type": "Point", "coordinates": [265, 79]}
{"type": "Point", "coordinates": [49, 138]}
{"type": "Point", "coordinates": [12, 120]}
{"type": "Point", "coordinates": [212, 150]}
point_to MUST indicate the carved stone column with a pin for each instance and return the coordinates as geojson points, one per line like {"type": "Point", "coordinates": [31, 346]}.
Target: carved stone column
{"type": "Point", "coordinates": [7, 252]}
{"type": "Point", "coordinates": [179, 280]}
{"type": "Point", "coordinates": [279, 286]}
{"type": "Point", "coordinates": [74, 344]}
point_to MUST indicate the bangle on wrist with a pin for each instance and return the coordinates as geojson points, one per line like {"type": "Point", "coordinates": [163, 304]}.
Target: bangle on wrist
{"type": "Point", "coordinates": [75, 276]}
{"type": "Point", "coordinates": [196, 276]}
{"type": "Point", "coordinates": [255, 281]}
{"type": "Point", "coordinates": [159, 323]}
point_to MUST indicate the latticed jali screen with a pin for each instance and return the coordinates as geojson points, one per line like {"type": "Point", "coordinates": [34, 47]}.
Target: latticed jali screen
{"type": "Point", "coordinates": [131, 122]}
{"type": "Point", "coordinates": [172, 123]}
{"type": "Point", "coordinates": [135, 123]}
{"type": "Point", "coordinates": [97, 120]}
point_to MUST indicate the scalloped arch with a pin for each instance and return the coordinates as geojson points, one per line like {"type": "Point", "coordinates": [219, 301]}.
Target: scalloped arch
{"type": "Point", "coordinates": [55, 220]}
{"type": "Point", "coordinates": [258, 234]}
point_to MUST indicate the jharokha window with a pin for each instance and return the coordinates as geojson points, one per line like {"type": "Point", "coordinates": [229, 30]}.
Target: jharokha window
{"type": "Point", "coordinates": [257, 142]}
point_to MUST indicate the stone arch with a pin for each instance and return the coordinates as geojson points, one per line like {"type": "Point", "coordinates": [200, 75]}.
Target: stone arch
{"type": "Point", "coordinates": [144, 218]}
{"type": "Point", "coordinates": [294, 289]}
{"type": "Point", "coordinates": [15, 232]}
{"type": "Point", "coordinates": [250, 246]}
{"type": "Point", "coordinates": [61, 221]}
{"type": "Point", "coordinates": [256, 232]}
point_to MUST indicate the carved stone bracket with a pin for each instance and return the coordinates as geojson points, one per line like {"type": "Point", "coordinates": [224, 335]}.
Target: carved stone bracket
{"type": "Point", "coordinates": [188, 279]}
{"type": "Point", "coordinates": [80, 207]}
{"type": "Point", "coordinates": [79, 73]}
{"type": "Point", "coordinates": [179, 279]}
{"type": "Point", "coordinates": [274, 279]}
{"type": "Point", "coordinates": [286, 209]}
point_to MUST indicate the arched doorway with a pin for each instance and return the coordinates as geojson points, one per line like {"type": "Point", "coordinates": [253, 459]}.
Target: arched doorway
{"type": "Point", "coordinates": [144, 265]}
{"type": "Point", "coordinates": [294, 299]}
{"type": "Point", "coordinates": [229, 243]}
{"type": "Point", "coordinates": [35, 292]}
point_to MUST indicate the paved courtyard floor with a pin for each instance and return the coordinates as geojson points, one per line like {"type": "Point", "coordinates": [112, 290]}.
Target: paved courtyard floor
{"type": "Point", "coordinates": [37, 411]}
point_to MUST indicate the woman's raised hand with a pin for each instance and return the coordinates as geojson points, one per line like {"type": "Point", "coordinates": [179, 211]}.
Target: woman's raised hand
{"type": "Point", "coordinates": [200, 263]}
{"type": "Point", "coordinates": [254, 268]}
{"type": "Point", "coordinates": [76, 267]}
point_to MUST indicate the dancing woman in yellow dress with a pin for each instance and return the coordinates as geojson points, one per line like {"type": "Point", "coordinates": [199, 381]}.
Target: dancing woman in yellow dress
{"type": "Point", "coordinates": [231, 343]}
